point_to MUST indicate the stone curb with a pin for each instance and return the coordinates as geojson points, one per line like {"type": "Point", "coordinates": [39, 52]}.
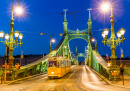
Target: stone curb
{"type": "Point", "coordinates": [22, 79]}
{"type": "Point", "coordinates": [106, 80]}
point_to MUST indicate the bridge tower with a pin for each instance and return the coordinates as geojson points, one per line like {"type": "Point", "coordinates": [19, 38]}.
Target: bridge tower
{"type": "Point", "coordinates": [65, 23]}
{"type": "Point", "coordinates": [89, 24]}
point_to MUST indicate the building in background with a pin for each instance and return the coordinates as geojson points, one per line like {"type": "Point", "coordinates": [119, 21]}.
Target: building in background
{"type": "Point", "coordinates": [27, 59]}
{"type": "Point", "coordinates": [124, 61]}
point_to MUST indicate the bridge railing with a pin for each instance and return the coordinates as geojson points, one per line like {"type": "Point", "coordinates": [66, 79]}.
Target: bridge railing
{"type": "Point", "coordinates": [99, 67]}
{"type": "Point", "coordinates": [96, 62]}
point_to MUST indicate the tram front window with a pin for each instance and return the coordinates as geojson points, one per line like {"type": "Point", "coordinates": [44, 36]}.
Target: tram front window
{"type": "Point", "coordinates": [52, 63]}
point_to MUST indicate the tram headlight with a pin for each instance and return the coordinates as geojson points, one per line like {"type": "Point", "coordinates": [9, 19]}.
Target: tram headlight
{"type": "Point", "coordinates": [52, 72]}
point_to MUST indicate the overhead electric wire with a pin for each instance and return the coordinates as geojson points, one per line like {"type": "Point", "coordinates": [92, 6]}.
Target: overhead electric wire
{"type": "Point", "coordinates": [71, 12]}
{"type": "Point", "coordinates": [74, 12]}
{"type": "Point", "coordinates": [84, 5]}
{"type": "Point", "coordinates": [35, 23]}
{"type": "Point", "coordinates": [47, 14]}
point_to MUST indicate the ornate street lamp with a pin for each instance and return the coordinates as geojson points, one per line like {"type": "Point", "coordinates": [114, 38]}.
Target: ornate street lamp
{"type": "Point", "coordinates": [113, 42]}
{"type": "Point", "coordinates": [9, 42]}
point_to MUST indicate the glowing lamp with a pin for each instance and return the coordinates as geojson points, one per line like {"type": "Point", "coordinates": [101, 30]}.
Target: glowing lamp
{"type": "Point", "coordinates": [1, 34]}
{"type": "Point", "coordinates": [106, 31]}
{"type": "Point", "coordinates": [60, 34]}
{"type": "Point", "coordinates": [103, 35]}
{"type": "Point", "coordinates": [20, 36]}
{"type": "Point", "coordinates": [105, 6]}
{"type": "Point", "coordinates": [18, 10]}
{"type": "Point", "coordinates": [93, 40]}
{"type": "Point", "coordinates": [16, 33]}
{"type": "Point", "coordinates": [65, 47]}
{"type": "Point", "coordinates": [41, 33]}
{"type": "Point", "coordinates": [53, 40]}
{"type": "Point", "coordinates": [108, 64]}
{"type": "Point", "coordinates": [52, 72]}
{"type": "Point", "coordinates": [122, 31]}
{"type": "Point", "coordinates": [7, 36]}
{"type": "Point", "coordinates": [118, 34]}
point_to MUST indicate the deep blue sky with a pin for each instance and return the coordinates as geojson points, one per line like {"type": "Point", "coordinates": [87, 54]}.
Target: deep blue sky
{"type": "Point", "coordinates": [46, 14]}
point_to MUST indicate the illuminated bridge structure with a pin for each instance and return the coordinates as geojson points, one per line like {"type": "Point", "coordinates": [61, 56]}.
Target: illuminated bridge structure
{"type": "Point", "coordinates": [93, 59]}
{"type": "Point", "coordinates": [81, 55]}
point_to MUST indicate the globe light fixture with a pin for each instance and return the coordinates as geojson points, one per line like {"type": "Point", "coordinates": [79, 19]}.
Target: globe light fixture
{"type": "Point", "coordinates": [19, 10]}
{"type": "Point", "coordinates": [103, 35]}
{"type": "Point", "coordinates": [53, 40]}
{"type": "Point", "coordinates": [106, 31]}
{"type": "Point", "coordinates": [105, 7]}
{"type": "Point", "coordinates": [1, 34]}
{"type": "Point", "coordinates": [118, 34]}
{"type": "Point", "coordinates": [16, 33]}
{"type": "Point", "coordinates": [122, 31]}
{"type": "Point", "coordinates": [93, 39]}
{"type": "Point", "coordinates": [7, 36]}
{"type": "Point", "coordinates": [20, 36]}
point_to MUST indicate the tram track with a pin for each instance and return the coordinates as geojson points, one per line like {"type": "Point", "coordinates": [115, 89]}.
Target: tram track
{"type": "Point", "coordinates": [77, 83]}
{"type": "Point", "coordinates": [67, 80]}
{"type": "Point", "coordinates": [48, 86]}
{"type": "Point", "coordinates": [81, 88]}
{"type": "Point", "coordinates": [24, 89]}
{"type": "Point", "coordinates": [51, 85]}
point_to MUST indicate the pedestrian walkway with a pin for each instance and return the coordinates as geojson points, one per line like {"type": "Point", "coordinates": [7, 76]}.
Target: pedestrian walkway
{"type": "Point", "coordinates": [116, 83]}
{"type": "Point", "coordinates": [120, 83]}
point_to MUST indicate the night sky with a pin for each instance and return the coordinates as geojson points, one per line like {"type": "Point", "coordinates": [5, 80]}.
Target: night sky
{"type": "Point", "coordinates": [46, 17]}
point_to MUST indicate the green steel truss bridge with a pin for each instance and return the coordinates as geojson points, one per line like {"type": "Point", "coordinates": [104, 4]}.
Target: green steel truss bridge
{"type": "Point", "coordinates": [93, 59]}
{"type": "Point", "coordinates": [81, 55]}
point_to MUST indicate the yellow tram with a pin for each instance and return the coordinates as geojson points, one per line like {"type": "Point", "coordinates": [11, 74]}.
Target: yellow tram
{"type": "Point", "coordinates": [58, 67]}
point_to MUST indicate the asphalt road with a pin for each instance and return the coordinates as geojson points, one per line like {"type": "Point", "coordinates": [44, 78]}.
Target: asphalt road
{"type": "Point", "coordinates": [81, 78]}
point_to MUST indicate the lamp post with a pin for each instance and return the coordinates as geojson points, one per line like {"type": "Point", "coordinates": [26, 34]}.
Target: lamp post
{"type": "Point", "coordinates": [9, 39]}
{"type": "Point", "coordinates": [51, 39]}
{"type": "Point", "coordinates": [93, 40]}
{"type": "Point", "coordinates": [113, 42]}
